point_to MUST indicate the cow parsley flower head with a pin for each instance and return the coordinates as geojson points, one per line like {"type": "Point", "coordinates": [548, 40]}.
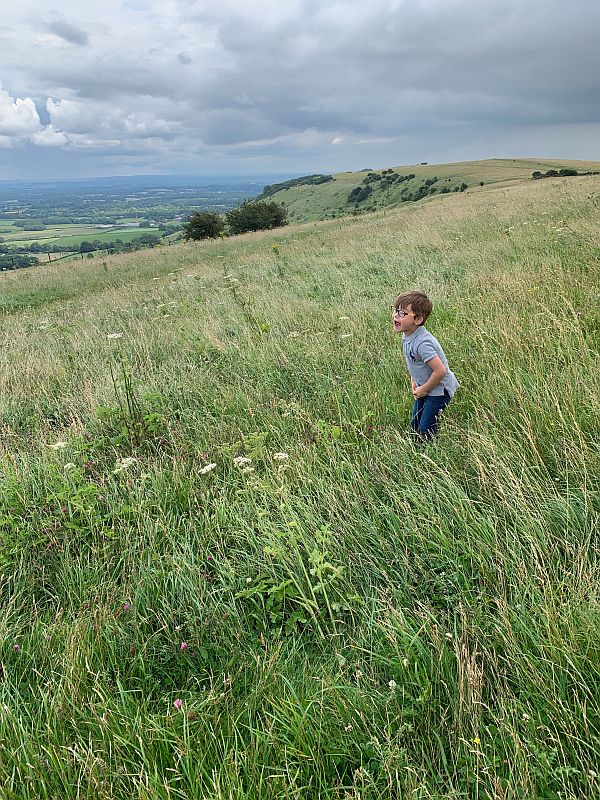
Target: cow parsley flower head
{"type": "Point", "coordinates": [124, 464]}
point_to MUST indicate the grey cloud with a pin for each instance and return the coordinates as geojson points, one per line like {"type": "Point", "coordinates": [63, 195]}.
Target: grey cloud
{"type": "Point", "coordinates": [442, 75]}
{"type": "Point", "coordinates": [69, 32]}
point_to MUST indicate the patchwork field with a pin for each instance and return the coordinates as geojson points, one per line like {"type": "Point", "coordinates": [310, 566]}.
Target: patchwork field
{"type": "Point", "coordinates": [70, 235]}
{"type": "Point", "coordinates": [228, 571]}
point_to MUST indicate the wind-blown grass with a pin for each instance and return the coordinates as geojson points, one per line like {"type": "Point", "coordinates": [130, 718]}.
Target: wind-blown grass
{"type": "Point", "coordinates": [361, 618]}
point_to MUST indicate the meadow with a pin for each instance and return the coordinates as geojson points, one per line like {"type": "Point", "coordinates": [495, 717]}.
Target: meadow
{"type": "Point", "coordinates": [228, 571]}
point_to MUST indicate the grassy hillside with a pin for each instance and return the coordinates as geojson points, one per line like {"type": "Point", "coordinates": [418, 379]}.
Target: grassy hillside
{"type": "Point", "coordinates": [342, 615]}
{"type": "Point", "coordinates": [331, 199]}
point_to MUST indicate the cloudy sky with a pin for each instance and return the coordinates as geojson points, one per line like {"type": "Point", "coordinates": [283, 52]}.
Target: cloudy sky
{"type": "Point", "coordinates": [119, 87]}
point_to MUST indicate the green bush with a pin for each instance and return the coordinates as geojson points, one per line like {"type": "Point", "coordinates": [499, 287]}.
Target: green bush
{"type": "Point", "coordinates": [256, 215]}
{"type": "Point", "coordinates": [203, 225]}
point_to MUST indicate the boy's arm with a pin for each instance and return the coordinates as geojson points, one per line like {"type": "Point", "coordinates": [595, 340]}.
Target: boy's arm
{"type": "Point", "coordinates": [438, 371]}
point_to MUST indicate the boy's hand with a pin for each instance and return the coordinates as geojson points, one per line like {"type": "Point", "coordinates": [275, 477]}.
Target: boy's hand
{"type": "Point", "coordinates": [419, 392]}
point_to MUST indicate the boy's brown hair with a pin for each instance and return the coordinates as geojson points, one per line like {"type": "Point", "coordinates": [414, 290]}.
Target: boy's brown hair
{"type": "Point", "coordinates": [419, 303]}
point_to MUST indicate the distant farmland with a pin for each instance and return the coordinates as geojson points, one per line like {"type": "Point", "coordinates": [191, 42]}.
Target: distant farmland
{"type": "Point", "coordinates": [70, 235]}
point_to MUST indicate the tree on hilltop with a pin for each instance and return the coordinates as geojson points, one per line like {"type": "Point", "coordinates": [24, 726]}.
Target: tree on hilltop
{"type": "Point", "coordinates": [203, 225]}
{"type": "Point", "coordinates": [256, 215]}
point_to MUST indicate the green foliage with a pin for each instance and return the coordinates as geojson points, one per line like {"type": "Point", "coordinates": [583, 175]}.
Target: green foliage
{"type": "Point", "coordinates": [310, 593]}
{"type": "Point", "coordinates": [564, 172]}
{"type": "Point", "coordinates": [203, 225]}
{"type": "Point", "coordinates": [359, 194]}
{"type": "Point", "coordinates": [17, 261]}
{"type": "Point", "coordinates": [133, 420]}
{"type": "Point", "coordinates": [306, 180]}
{"type": "Point", "coordinates": [146, 240]}
{"type": "Point", "coordinates": [256, 215]}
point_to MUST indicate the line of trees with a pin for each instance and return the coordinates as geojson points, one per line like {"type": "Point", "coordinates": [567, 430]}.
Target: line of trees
{"type": "Point", "coordinates": [565, 172]}
{"type": "Point", "coordinates": [305, 180]}
{"type": "Point", "coordinates": [252, 215]}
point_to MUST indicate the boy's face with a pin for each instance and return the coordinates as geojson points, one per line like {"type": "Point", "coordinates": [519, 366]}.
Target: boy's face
{"type": "Point", "coordinates": [405, 321]}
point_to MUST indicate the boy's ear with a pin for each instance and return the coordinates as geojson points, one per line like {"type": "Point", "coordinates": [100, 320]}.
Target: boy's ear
{"type": "Point", "coordinates": [419, 320]}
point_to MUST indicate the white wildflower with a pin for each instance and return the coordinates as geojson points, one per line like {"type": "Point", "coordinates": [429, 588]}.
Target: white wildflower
{"type": "Point", "coordinates": [207, 468]}
{"type": "Point", "coordinates": [405, 662]}
{"type": "Point", "coordinates": [449, 636]}
{"type": "Point", "coordinates": [57, 445]}
{"type": "Point", "coordinates": [280, 456]}
{"type": "Point", "coordinates": [239, 461]}
{"type": "Point", "coordinates": [293, 334]}
{"type": "Point", "coordinates": [392, 684]}
{"type": "Point", "coordinates": [124, 464]}
{"type": "Point", "coordinates": [114, 335]}
{"type": "Point", "coordinates": [246, 470]}
{"type": "Point", "coordinates": [70, 465]}
{"type": "Point", "coordinates": [248, 580]}
{"type": "Point", "coordinates": [343, 319]}
{"type": "Point", "coordinates": [345, 335]}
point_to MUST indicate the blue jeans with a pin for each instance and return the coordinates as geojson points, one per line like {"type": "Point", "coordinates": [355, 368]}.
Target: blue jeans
{"type": "Point", "coordinates": [425, 413]}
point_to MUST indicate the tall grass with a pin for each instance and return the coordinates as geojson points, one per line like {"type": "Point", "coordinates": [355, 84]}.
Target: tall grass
{"type": "Point", "coordinates": [345, 615]}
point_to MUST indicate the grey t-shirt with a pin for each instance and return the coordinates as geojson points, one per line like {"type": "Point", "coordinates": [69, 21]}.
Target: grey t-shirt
{"type": "Point", "coordinates": [419, 348]}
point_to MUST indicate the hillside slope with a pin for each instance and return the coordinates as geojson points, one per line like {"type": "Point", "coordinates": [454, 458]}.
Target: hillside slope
{"type": "Point", "coordinates": [390, 187]}
{"type": "Point", "coordinates": [229, 572]}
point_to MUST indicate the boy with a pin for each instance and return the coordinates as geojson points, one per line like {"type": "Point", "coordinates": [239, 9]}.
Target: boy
{"type": "Point", "coordinates": [433, 384]}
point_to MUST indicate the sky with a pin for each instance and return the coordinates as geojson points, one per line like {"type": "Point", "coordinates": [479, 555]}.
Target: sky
{"type": "Point", "coordinates": [249, 87]}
